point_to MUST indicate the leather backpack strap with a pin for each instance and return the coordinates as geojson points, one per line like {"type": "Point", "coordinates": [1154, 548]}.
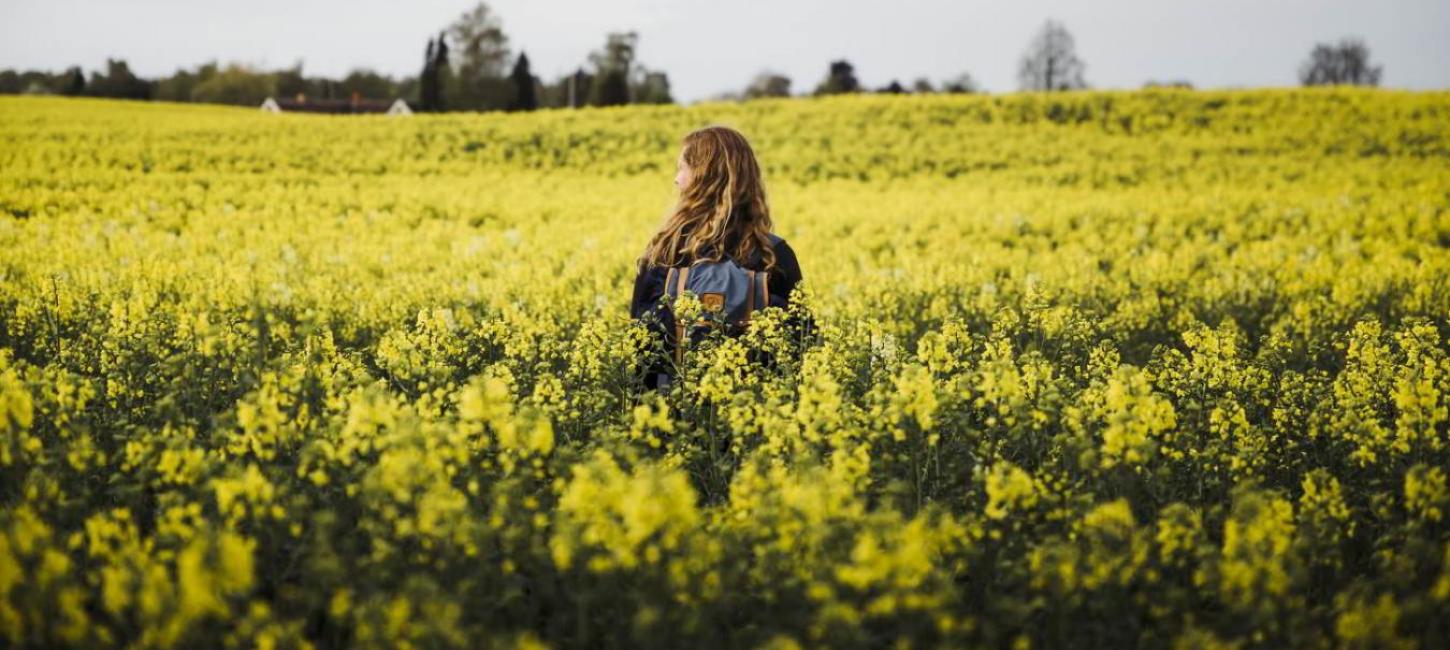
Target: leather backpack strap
{"type": "Point", "coordinates": [684, 275]}
{"type": "Point", "coordinates": [749, 300]}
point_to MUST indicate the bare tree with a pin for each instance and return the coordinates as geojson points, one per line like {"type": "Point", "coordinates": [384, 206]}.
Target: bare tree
{"type": "Point", "coordinates": [480, 60]}
{"type": "Point", "coordinates": [615, 69]}
{"type": "Point", "coordinates": [480, 46]}
{"type": "Point", "coordinates": [1346, 62]}
{"type": "Point", "coordinates": [1051, 62]}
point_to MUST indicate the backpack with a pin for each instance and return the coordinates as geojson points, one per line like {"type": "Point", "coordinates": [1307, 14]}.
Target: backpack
{"type": "Point", "coordinates": [732, 291]}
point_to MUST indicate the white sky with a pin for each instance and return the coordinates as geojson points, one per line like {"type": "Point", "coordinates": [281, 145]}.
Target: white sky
{"type": "Point", "coordinates": [711, 47]}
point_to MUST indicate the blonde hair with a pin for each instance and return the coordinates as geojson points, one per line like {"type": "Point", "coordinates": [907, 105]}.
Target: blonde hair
{"type": "Point", "coordinates": [724, 200]}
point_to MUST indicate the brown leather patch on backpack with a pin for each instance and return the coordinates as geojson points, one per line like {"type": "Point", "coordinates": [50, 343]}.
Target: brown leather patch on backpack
{"type": "Point", "coordinates": [713, 301]}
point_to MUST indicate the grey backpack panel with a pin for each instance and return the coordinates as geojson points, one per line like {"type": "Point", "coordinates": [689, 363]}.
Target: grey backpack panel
{"type": "Point", "coordinates": [724, 285]}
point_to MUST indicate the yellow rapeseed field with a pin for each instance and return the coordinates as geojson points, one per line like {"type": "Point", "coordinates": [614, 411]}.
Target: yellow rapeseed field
{"type": "Point", "coordinates": [1160, 368]}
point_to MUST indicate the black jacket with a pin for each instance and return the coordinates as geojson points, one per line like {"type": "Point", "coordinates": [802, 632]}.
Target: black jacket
{"type": "Point", "coordinates": [649, 288]}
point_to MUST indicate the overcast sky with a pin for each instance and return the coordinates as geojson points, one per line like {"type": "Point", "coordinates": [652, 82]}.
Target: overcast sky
{"type": "Point", "coordinates": [708, 47]}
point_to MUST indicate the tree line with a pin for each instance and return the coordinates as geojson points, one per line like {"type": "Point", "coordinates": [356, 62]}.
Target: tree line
{"type": "Point", "coordinates": [469, 66]}
{"type": "Point", "coordinates": [1051, 63]}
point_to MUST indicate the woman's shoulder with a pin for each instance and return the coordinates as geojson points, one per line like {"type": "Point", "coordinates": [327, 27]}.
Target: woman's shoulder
{"type": "Point", "coordinates": [780, 245]}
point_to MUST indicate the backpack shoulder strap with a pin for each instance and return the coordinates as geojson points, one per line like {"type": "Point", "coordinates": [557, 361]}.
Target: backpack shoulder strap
{"type": "Point", "coordinates": [750, 296]}
{"type": "Point", "coordinates": [758, 295]}
{"type": "Point", "coordinates": [684, 275]}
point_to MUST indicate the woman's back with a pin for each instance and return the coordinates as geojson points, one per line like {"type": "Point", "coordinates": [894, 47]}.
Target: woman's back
{"type": "Point", "coordinates": [781, 281]}
{"type": "Point", "coordinates": [721, 213]}
{"type": "Point", "coordinates": [648, 305]}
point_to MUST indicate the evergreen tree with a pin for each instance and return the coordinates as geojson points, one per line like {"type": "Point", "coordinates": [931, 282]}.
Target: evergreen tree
{"type": "Point", "coordinates": [582, 84]}
{"type": "Point", "coordinates": [118, 81]}
{"type": "Point", "coordinates": [841, 79]}
{"type": "Point", "coordinates": [441, 71]}
{"type": "Point", "coordinates": [291, 82]}
{"type": "Point", "coordinates": [613, 89]}
{"type": "Point", "coordinates": [428, 82]}
{"type": "Point", "coordinates": [75, 82]}
{"type": "Point", "coordinates": [526, 96]}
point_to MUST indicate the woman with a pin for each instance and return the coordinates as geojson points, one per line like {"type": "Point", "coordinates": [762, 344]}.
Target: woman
{"type": "Point", "coordinates": [721, 212]}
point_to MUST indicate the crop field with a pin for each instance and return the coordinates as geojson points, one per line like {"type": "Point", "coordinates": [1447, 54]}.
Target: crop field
{"type": "Point", "coordinates": [1156, 368]}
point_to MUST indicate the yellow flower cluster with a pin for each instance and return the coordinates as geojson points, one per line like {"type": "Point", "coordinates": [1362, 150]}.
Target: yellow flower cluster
{"type": "Point", "coordinates": [1112, 369]}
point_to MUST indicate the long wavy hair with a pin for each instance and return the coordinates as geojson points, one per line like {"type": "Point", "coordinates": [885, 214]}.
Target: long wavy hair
{"type": "Point", "coordinates": [721, 211]}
